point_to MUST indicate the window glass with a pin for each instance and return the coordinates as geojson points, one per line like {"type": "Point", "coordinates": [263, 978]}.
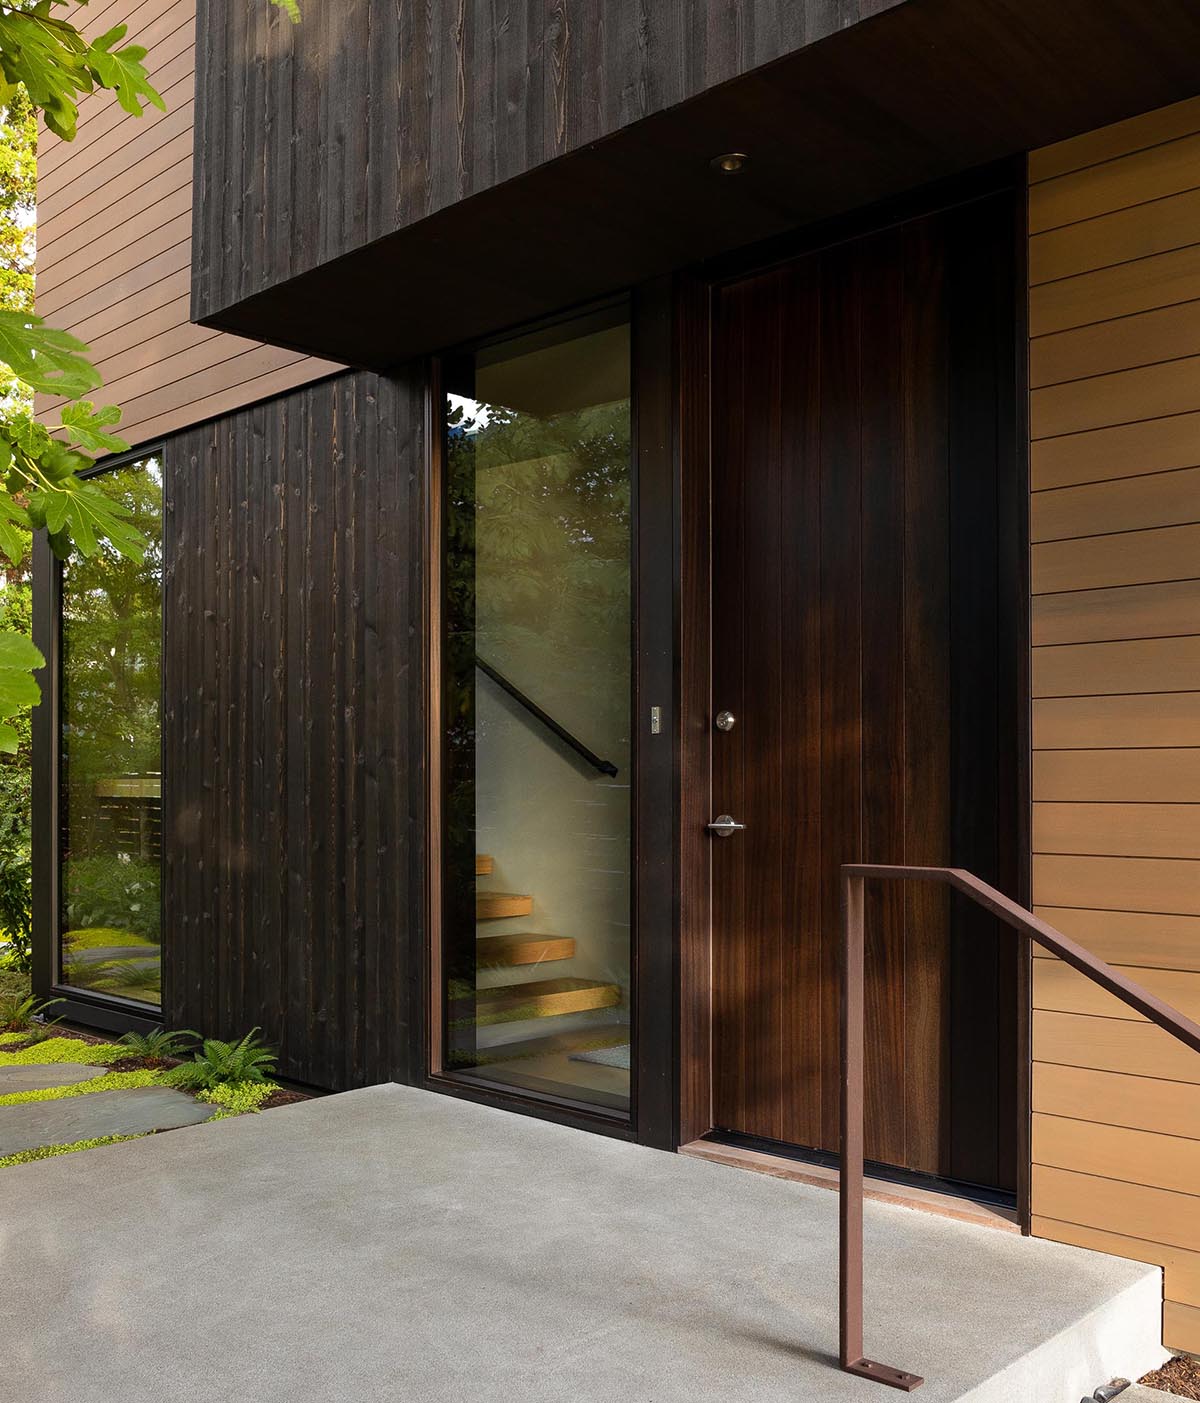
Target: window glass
{"type": "Point", "coordinates": [110, 756]}
{"type": "Point", "coordinates": [536, 693]}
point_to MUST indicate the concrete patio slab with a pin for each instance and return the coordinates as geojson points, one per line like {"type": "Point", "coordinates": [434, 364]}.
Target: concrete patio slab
{"type": "Point", "coordinates": [100, 1113]}
{"type": "Point", "coordinates": [37, 1076]}
{"type": "Point", "coordinates": [390, 1244]}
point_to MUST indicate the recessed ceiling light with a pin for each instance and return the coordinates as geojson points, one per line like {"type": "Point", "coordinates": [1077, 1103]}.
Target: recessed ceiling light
{"type": "Point", "coordinates": [731, 163]}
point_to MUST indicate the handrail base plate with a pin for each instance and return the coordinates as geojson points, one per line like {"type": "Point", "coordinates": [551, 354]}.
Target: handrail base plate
{"type": "Point", "coordinates": [884, 1374]}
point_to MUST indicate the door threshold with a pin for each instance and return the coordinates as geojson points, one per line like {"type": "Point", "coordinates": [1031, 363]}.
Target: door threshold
{"type": "Point", "coordinates": [944, 1204]}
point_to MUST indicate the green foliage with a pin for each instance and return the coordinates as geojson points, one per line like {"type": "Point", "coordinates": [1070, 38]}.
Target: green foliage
{"type": "Point", "coordinates": [101, 938]}
{"type": "Point", "coordinates": [18, 658]}
{"type": "Point", "coordinates": [16, 911]}
{"type": "Point", "coordinates": [17, 1013]}
{"type": "Point", "coordinates": [250, 1060]}
{"type": "Point", "coordinates": [107, 1081]}
{"type": "Point", "coordinates": [237, 1098]}
{"type": "Point", "coordinates": [18, 194]}
{"type": "Point", "coordinates": [55, 65]}
{"type": "Point", "coordinates": [62, 1050]}
{"type": "Point", "coordinates": [115, 893]}
{"type": "Point", "coordinates": [12, 981]}
{"type": "Point", "coordinates": [46, 66]}
{"type": "Point", "coordinates": [50, 1151]}
{"type": "Point", "coordinates": [16, 876]}
{"type": "Point", "coordinates": [50, 362]}
{"type": "Point", "coordinates": [159, 1043]}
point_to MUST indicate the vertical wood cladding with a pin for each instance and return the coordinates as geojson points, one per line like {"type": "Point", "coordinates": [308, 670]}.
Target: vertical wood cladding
{"type": "Point", "coordinates": [115, 245]}
{"type": "Point", "coordinates": [1114, 220]}
{"type": "Point", "coordinates": [293, 725]}
{"type": "Point", "coordinates": [317, 138]}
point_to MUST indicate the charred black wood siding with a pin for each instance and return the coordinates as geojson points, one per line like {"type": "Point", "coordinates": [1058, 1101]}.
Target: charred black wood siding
{"type": "Point", "coordinates": [317, 138]}
{"type": "Point", "coordinates": [294, 726]}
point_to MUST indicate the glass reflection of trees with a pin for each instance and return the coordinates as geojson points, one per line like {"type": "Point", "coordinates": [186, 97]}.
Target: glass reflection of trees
{"type": "Point", "coordinates": [537, 582]}
{"type": "Point", "coordinates": [110, 756]}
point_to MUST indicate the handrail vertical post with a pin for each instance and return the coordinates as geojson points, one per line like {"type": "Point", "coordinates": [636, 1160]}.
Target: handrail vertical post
{"type": "Point", "coordinates": [850, 1207]}
{"type": "Point", "coordinates": [854, 1054]}
{"type": "Point", "coordinates": [851, 1195]}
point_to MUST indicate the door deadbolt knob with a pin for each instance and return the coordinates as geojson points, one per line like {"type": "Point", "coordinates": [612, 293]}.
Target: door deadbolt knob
{"type": "Point", "coordinates": [725, 826]}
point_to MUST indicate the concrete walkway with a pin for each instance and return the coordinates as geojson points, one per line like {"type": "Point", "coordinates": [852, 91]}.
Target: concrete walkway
{"type": "Point", "coordinates": [390, 1244]}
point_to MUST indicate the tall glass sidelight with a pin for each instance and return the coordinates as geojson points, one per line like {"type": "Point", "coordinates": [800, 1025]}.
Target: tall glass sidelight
{"type": "Point", "coordinates": [536, 704]}
{"type": "Point", "coordinates": [110, 754]}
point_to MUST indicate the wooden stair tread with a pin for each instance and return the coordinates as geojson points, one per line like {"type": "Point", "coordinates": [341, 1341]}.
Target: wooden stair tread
{"type": "Point", "coordinates": [523, 949]}
{"type": "Point", "coordinates": [485, 864]}
{"type": "Point", "coordinates": [499, 905]}
{"type": "Point", "coordinates": [542, 998]}
{"type": "Point", "coordinates": [581, 1040]}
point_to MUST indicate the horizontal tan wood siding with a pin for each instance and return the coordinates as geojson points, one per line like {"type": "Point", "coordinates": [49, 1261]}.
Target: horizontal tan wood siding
{"type": "Point", "coordinates": [1114, 270]}
{"type": "Point", "coordinates": [114, 248]}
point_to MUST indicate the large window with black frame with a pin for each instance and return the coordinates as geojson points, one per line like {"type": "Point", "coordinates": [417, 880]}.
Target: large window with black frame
{"type": "Point", "coordinates": [110, 800]}
{"type": "Point", "coordinates": [536, 709]}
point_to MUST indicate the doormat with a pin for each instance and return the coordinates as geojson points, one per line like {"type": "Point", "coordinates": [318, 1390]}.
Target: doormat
{"type": "Point", "coordinates": [606, 1056]}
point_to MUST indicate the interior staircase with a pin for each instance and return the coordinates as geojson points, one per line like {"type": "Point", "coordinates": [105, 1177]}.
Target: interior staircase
{"type": "Point", "coordinates": [552, 996]}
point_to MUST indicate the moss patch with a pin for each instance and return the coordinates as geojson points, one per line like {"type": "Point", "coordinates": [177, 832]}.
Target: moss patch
{"type": "Point", "coordinates": [49, 1151]}
{"type": "Point", "coordinates": [60, 1050]}
{"type": "Point", "coordinates": [103, 938]}
{"type": "Point", "coordinates": [237, 1098]}
{"type": "Point", "coordinates": [110, 1081]}
{"type": "Point", "coordinates": [227, 1098]}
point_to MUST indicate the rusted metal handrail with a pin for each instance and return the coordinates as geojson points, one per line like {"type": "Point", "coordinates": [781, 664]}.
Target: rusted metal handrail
{"type": "Point", "coordinates": [851, 1247]}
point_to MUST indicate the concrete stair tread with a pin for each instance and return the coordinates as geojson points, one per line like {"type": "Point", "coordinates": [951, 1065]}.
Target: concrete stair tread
{"type": "Point", "coordinates": [715, 1283]}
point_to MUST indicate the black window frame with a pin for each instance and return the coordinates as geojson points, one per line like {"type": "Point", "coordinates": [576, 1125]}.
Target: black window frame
{"type": "Point", "coordinates": [105, 1011]}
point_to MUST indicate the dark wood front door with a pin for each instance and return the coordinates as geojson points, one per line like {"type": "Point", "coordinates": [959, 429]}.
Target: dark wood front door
{"type": "Point", "coordinates": [865, 591]}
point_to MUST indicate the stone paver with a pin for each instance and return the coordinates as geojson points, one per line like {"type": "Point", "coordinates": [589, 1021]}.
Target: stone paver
{"type": "Point", "coordinates": [100, 1113]}
{"type": "Point", "coordinates": [37, 1076]}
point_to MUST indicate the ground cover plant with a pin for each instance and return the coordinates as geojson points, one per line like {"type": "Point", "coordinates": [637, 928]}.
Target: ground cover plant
{"type": "Point", "coordinates": [19, 1009]}
{"type": "Point", "coordinates": [228, 1063]}
{"type": "Point", "coordinates": [231, 1077]}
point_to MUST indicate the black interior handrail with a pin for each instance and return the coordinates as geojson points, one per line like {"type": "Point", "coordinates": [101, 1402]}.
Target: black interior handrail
{"type": "Point", "coordinates": [604, 767]}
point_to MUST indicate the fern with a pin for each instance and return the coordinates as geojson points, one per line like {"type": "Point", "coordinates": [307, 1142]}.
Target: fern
{"type": "Point", "coordinates": [159, 1044]}
{"type": "Point", "coordinates": [17, 1014]}
{"type": "Point", "coordinates": [251, 1060]}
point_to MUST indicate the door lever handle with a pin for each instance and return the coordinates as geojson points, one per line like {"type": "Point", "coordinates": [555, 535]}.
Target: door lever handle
{"type": "Point", "coordinates": [725, 826]}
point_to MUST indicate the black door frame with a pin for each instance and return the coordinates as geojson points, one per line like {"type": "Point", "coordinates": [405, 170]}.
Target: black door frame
{"type": "Point", "coordinates": [654, 1071]}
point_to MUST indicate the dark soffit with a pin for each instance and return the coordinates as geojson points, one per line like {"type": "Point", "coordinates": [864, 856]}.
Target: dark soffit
{"type": "Point", "coordinates": [925, 91]}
